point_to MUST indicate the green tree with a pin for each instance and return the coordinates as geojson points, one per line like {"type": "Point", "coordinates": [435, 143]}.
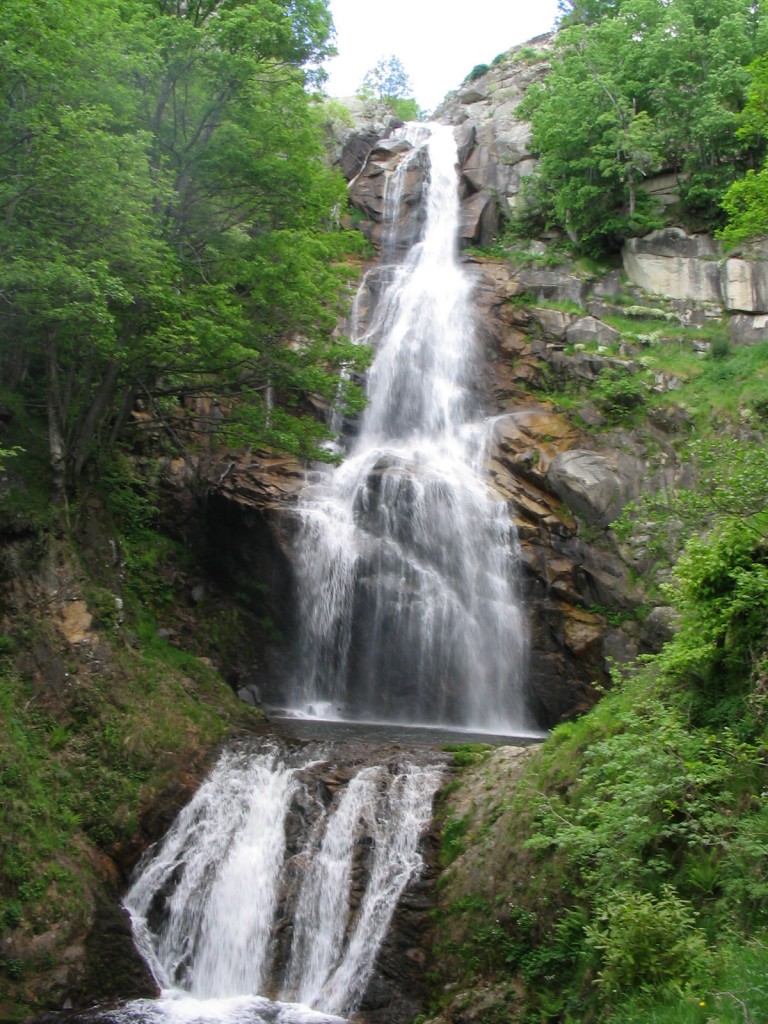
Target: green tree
{"type": "Point", "coordinates": [388, 82]}
{"type": "Point", "coordinates": [80, 251]}
{"type": "Point", "coordinates": [387, 79]}
{"type": "Point", "coordinates": [574, 12]}
{"type": "Point", "coordinates": [746, 201]}
{"type": "Point", "coordinates": [168, 223]}
{"type": "Point", "coordinates": [645, 87]}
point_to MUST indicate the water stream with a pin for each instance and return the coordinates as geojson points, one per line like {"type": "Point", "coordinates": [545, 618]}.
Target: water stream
{"type": "Point", "coordinates": [407, 563]}
{"type": "Point", "coordinates": [271, 894]}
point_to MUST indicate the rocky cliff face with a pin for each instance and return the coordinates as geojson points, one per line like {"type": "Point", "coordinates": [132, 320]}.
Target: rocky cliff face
{"type": "Point", "coordinates": [493, 150]}
{"type": "Point", "coordinates": [567, 472]}
{"type": "Point", "coordinates": [694, 270]}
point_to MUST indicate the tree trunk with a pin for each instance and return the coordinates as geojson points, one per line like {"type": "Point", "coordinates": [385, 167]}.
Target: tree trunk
{"type": "Point", "coordinates": [57, 448]}
{"type": "Point", "coordinates": [632, 192]}
{"type": "Point", "coordinates": [90, 421]}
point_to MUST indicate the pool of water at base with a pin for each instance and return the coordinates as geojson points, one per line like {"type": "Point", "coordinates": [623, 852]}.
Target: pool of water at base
{"type": "Point", "coordinates": [394, 733]}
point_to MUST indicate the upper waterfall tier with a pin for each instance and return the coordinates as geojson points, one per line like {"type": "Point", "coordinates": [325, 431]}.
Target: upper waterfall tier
{"type": "Point", "coordinates": [407, 563]}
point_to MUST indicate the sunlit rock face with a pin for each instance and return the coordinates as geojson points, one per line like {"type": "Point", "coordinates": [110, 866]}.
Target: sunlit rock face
{"type": "Point", "coordinates": [495, 154]}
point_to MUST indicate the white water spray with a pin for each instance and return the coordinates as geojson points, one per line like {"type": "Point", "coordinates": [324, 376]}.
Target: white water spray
{"type": "Point", "coordinates": [206, 906]}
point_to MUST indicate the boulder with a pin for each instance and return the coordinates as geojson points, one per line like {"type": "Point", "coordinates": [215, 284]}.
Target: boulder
{"type": "Point", "coordinates": [481, 169]}
{"type": "Point", "coordinates": [660, 626]}
{"type": "Point", "coordinates": [478, 219]}
{"type": "Point", "coordinates": [748, 330]}
{"type": "Point", "coordinates": [552, 285]}
{"type": "Point", "coordinates": [465, 135]}
{"type": "Point", "coordinates": [533, 431]}
{"type": "Point", "coordinates": [674, 243]}
{"type": "Point", "coordinates": [368, 192]}
{"type": "Point", "coordinates": [354, 152]}
{"type": "Point", "coordinates": [745, 286]}
{"type": "Point", "coordinates": [588, 484]}
{"type": "Point", "coordinates": [552, 323]}
{"type": "Point", "coordinates": [474, 93]}
{"type": "Point", "coordinates": [588, 329]}
{"type": "Point", "coordinates": [663, 188]}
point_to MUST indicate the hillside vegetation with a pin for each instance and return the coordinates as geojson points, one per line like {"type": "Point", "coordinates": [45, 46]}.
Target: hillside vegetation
{"type": "Point", "coordinates": [618, 873]}
{"type": "Point", "coordinates": [168, 224]}
{"type": "Point", "coordinates": [171, 277]}
{"type": "Point", "coordinates": [638, 87]}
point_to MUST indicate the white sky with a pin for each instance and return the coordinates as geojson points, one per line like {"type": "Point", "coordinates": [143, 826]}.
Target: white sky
{"type": "Point", "coordinates": [438, 41]}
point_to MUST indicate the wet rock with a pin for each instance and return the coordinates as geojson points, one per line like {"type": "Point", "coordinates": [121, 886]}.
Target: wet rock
{"type": "Point", "coordinates": [355, 152]}
{"type": "Point", "coordinates": [465, 135]}
{"type": "Point", "coordinates": [113, 967]}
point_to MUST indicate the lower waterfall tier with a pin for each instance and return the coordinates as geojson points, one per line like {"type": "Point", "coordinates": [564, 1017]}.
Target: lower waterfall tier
{"type": "Point", "coordinates": [279, 880]}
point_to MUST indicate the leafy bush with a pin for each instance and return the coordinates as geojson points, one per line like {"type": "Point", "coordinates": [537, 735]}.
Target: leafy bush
{"type": "Point", "coordinates": [648, 943]}
{"type": "Point", "coordinates": [646, 793]}
{"type": "Point", "coordinates": [477, 72]}
{"type": "Point", "coordinates": [619, 394]}
{"type": "Point", "coordinates": [721, 587]}
{"type": "Point", "coordinates": [720, 348]}
{"type": "Point", "coordinates": [454, 831]}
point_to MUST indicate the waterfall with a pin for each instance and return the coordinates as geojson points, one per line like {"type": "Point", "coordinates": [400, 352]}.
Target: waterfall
{"type": "Point", "coordinates": [240, 911]}
{"type": "Point", "coordinates": [406, 563]}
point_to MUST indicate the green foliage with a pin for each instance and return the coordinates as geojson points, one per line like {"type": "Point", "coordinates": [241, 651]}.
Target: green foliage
{"type": "Point", "coordinates": [640, 836]}
{"type": "Point", "coordinates": [407, 109]}
{"type": "Point", "coordinates": [73, 778]}
{"type": "Point", "coordinates": [465, 754]}
{"type": "Point", "coordinates": [647, 944]}
{"type": "Point", "coordinates": [646, 794]}
{"type": "Point", "coordinates": [498, 940]}
{"type": "Point", "coordinates": [617, 107]}
{"type": "Point", "coordinates": [619, 394]}
{"type": "Point", "coordinates": [168, 216]}
{"type": "Point", "coordinates": [572, 12]}
{"type": "Point", "coordinates": [387, 79]}
{"type": "Point", "coordinates": [731, 486]}
{"type": "Point", "coordinates": [8, 453]}
{"type": "Point", "coordinates": [721, 588]}
{"type": "Point", "coordinates": [387, 82]}
{"type": "Point", "coordinates": [478, 71]}
{"type": "Point", "coordinates": [746, 203]}
{"type": "Point", "coordinates": [452, 840]}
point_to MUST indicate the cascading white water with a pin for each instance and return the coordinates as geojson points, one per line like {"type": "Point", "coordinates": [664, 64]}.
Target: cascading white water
{"type": "Point", "coordinates": [205, 905]}
{"type": "Point", "coordinates": [409, 610]}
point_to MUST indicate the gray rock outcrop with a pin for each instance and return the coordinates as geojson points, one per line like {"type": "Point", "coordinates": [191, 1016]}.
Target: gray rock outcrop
{"type": "Point", "coordinates": [692, 268]}
{"type": "Point", "coordinates": [673, 263]}
{"type": "Point", "coordinates": [745, 285]}
{"type": "Point", "coordinates": [493, 146]}
{"type": "Point", "coordinates": [589, 484]}
{"type": "Point", "coordinates": [487, 108]}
